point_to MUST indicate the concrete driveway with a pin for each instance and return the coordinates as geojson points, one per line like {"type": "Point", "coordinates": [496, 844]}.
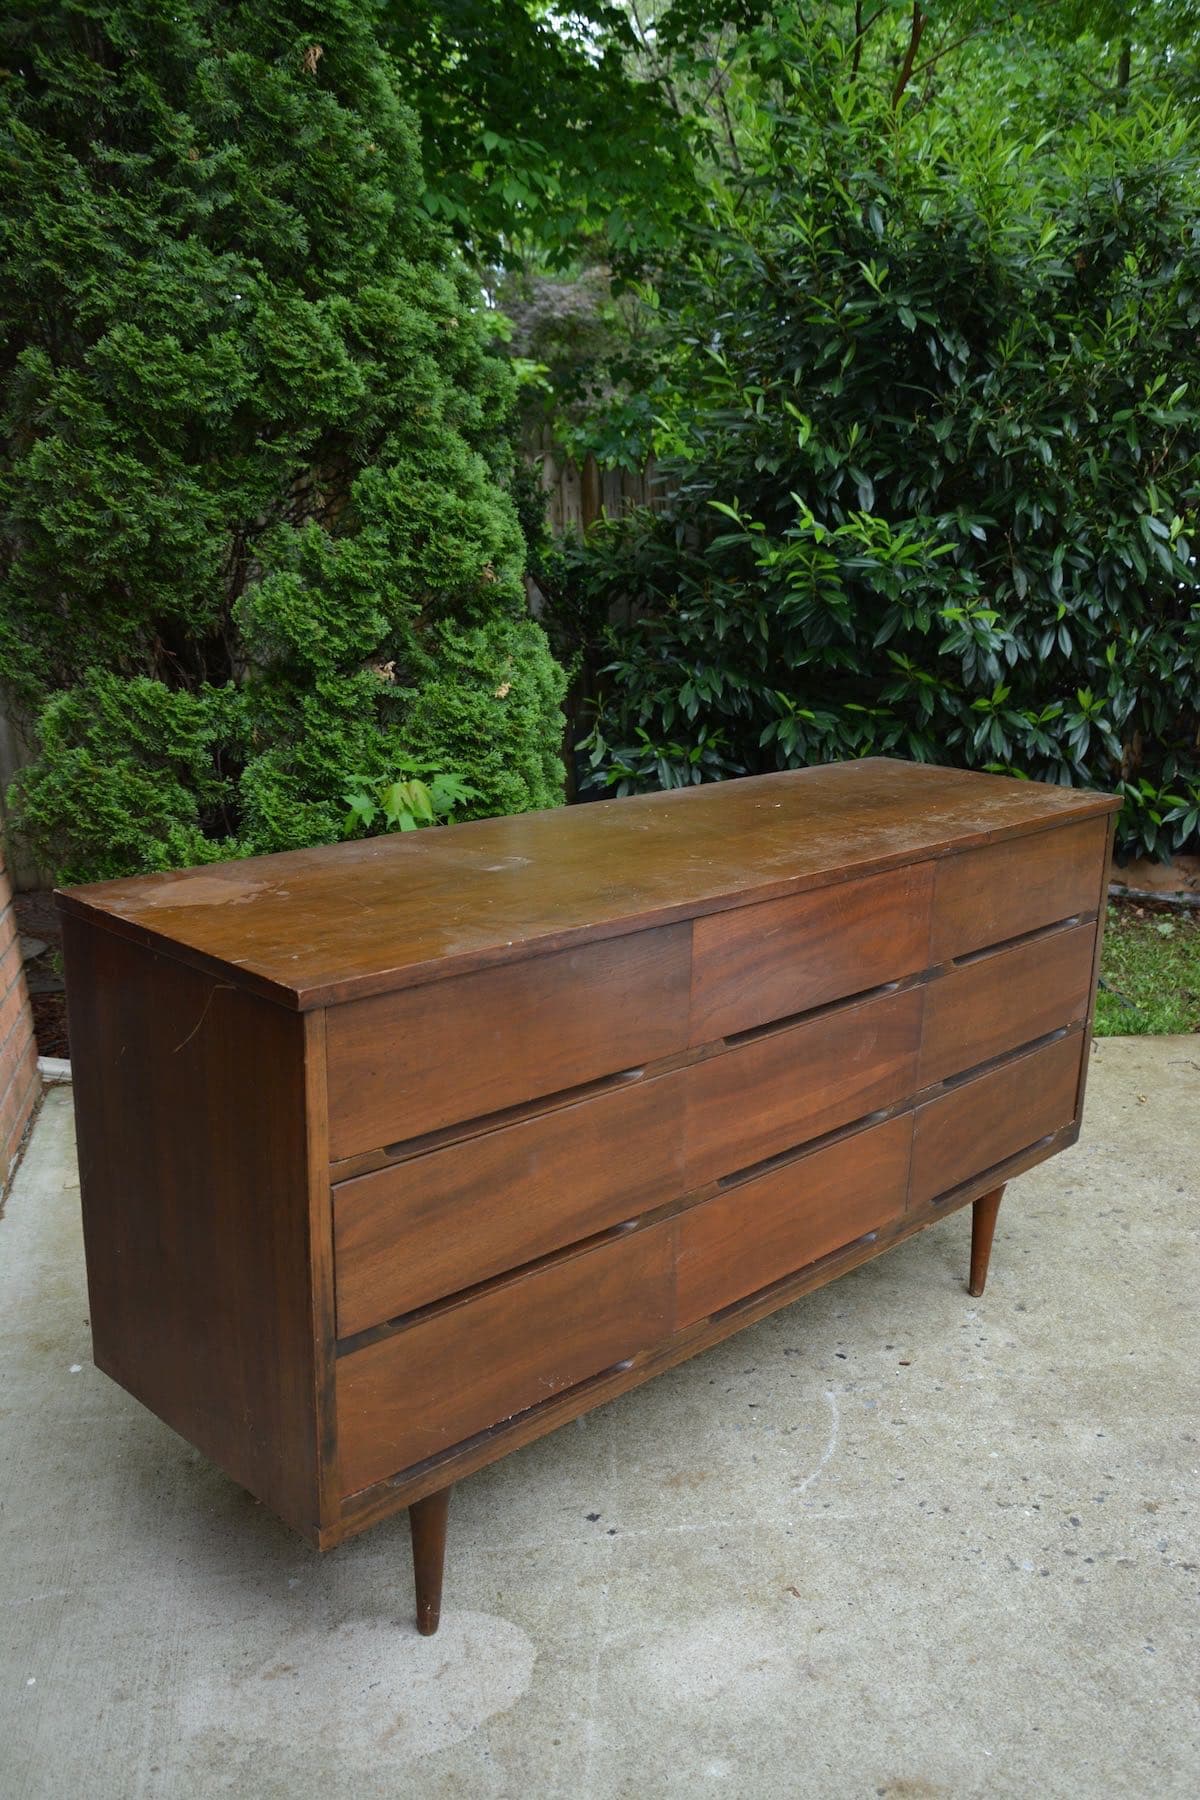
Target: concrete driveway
{"type": "Point", "coordinates": [892, 1542]}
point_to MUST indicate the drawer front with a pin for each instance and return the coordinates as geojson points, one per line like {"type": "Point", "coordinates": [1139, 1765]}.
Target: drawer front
{"type": "Point", "coordinates": [984, 896]}
{"type": "Point", "coordinates": [404, 1064]}
{"type": "Point", "coordinates": [972, 1128]}
{"type": "Point", "coordinates": [481, 1360]}
{"type": "Point", "coordinates": [777, 1222]}
{"type": "Point", "coordinates": [431, 1226]}
{"type": "Point", "coordinates": [775, 1092]}
{"type": "Point", "coordinates": [759, 963]}
{"type": "Point", "coordinates": [1004, 1000]}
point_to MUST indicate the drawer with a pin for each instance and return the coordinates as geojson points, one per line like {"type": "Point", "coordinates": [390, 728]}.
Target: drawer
{"type": "Point", "coordinates": [777, 1222]}
{"type": "Point", "coordinates": [480, 1360]}
{"type": "Point", "coordinates": [775, 1092]}
{"type": "Point", "coordinates": [982, 1122]}
{"type": "Point", "coordinates": [430, 1226]}
{"type": "Point", "coordinates": [759, 963]}
{"type": "Point", "coordinates": [982, 897]}
{"type": "Point", "coordinates": [403, 1064]}
{"type": "Point", "coordinates": [1005, 999]}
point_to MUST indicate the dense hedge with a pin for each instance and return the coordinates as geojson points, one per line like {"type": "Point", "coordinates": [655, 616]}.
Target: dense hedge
{"type": "Point", "coordinates": [252, 527]}
{"type": "Point", "coordinates": [937, 424]}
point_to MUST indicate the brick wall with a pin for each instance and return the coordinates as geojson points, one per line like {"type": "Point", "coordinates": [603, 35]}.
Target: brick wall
{"type": "Point", "coordinates": [20, 1083]}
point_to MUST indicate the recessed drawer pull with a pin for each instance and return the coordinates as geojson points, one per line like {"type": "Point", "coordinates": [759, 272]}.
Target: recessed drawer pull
{"type": "Point", "coordinates": [789, 1216]}
{"type": "Point", "coordinates": [775, 1093]}
{"type": "Point", "coordinates": [405, 1148]}
{"type": "Point", "coordinates": [754, 1032]}
{"type": "Point", "coordinates": [1021, 937]}
{"type": "Point", "coordinates": [500, 1352]}
{"type": "Point", "coordinates": [996, 1173]}
{"type": "Point", "coordinates": [419, 1230]}
{"type": "Point", "coordinates": [978, 1069]}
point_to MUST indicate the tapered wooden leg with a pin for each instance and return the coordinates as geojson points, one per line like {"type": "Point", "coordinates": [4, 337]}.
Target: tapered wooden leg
{"type": "Point", "coordinates": [427, 1521]}
{"type": "Point", "coordinates": [983, 1224]}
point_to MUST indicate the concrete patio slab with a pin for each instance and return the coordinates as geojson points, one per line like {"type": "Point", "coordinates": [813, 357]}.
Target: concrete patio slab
{"type": "Point", "coordinates": [892, 1542]}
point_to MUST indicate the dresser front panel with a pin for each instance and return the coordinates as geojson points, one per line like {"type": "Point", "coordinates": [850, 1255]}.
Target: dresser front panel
{"type": "Point", "coordinates": [408, 1063]}
{"type": "Point", "coordinates": [1004, 999]}
{"type": "Point", "coordinates": [439, 1222]}
{"type": "Point", "coordinates": [772, 1224]}
{"type": "Point", "coordinates": [481, 1359]}
{"type": "Point", "coordinates": [986, 896]}
{"type": "Point", "coordinates": [707, 1055]}
{"type": "Point", "coordinates": [978, 1124]}
{"type": "Point", "coordinates": [759, 963]}
{"type": "Point", "coordinates": [783, 1088]}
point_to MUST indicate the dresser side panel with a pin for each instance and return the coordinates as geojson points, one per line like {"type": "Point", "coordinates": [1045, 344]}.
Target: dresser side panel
{"type": "Point", "coordinates": [190, 1106]}
{"type": "Point", "coordinates": [1101, 921]}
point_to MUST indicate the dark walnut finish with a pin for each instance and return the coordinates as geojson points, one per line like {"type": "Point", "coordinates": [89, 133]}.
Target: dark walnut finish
{"type": "Point", "coordinates": [397, 1155]}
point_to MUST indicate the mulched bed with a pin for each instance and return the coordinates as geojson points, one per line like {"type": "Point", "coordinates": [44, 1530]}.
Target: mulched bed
{"type": "Point", "coordinates": [37, 922]}
{"type": "Point", "coordinates": [50, 1024]}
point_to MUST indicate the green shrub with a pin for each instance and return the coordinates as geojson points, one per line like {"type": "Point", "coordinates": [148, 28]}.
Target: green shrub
{"type": "Point", "coordinates": [254, 535]}
{"type": "Point", "coordinates": [936, 409]}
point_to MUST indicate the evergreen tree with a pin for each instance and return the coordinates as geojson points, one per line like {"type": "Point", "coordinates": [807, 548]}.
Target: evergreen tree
{"type": "Point", "coordinates": [254, 538]}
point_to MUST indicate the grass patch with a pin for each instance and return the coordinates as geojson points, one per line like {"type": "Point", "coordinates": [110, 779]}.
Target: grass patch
{"type": "Point", "coordinates": [1152, 963]}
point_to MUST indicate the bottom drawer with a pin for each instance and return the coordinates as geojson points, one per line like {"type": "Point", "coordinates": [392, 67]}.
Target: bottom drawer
{"type": "Point", "coordinates": [982, 1122]}
{"type": "Point", "coordinates": [481, 1359]}
{"type": "Point", "coordinates": [773, 1224]}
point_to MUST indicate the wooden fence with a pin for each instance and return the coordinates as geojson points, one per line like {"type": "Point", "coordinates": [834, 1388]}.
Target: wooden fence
{"type": "Point", "coordinates": [578, 495]}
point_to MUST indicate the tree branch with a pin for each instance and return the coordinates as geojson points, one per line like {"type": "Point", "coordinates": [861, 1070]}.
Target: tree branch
{"type": "Point", "coordinates": [915, 34]}
{"type": "Point", "coordinates": [860, 32]}
{"type": "Point", "coordinates": [945, 49]}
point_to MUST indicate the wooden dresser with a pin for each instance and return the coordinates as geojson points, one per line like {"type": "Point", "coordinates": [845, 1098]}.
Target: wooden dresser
{"type": "Point", "coordinates": [395, 1155]}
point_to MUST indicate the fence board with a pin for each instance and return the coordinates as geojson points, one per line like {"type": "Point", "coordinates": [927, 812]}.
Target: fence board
{"type": "Point", "coordinates": [576, 497]}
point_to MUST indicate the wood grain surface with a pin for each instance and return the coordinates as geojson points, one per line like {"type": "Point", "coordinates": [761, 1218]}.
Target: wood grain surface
{"type": "Point", "coordinates": [631, 1075]}
{"type": "Point", "coordinates": [312, 927]}
{"type": "Point", "coordinates": [193, 1166]}
{"type": "Point", "coordinates": [376, 1502]}
{"type": "Point", "coordinates": [773, 1224]}
{"type": "Point", "coordinates": [759, 963]}
{"type": "Point", "coordinates": [974, 1127]}
{"type": "Point", "coordinates": [1006, 999]}
{"type": "Point", "coordinates": [436, 1223]}
{"type": "Point", "coordinates": [984, 896]}
{"type": "Point", "coordinates": [406, 1063]}
{"type": "Point", "coordinates": [486, 1357]}
{"type": "Point", "coordinates": [778, 1091]}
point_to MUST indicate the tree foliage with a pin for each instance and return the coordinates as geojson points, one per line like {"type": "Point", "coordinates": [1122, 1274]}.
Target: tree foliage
{"type": "Point", "coordinates": [934, 406]}
{"type": "Point", "coordinates": [255, 545]}
{"type": "Point", "coordinates": [543, 135]}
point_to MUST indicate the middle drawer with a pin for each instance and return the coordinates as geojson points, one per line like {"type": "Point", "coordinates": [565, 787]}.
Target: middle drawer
{"type": "Point", "coordinates": [458, 1215]}
{"type": "Point", "coordinates": [442, 1221]}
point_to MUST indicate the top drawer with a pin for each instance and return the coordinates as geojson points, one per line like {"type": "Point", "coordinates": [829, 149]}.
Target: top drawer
{"type": "Point", "coordinates": [983, 897]}
{"type": "Point", "coordinates": [403, 1064]}
{"type": "Point", "coordinates": [765, 962]}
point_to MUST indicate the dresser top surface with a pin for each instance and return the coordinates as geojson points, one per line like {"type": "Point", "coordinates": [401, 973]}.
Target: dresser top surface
{"type": "Point", "coordinates": [343, 921]}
